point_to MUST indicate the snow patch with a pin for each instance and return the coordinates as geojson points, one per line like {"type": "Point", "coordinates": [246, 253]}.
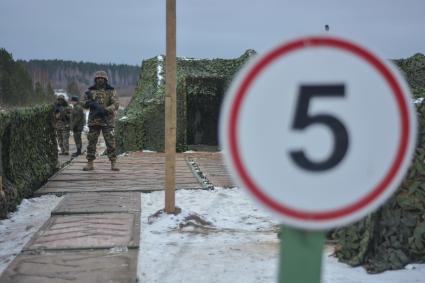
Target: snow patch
{"type": "Point", "coordinates": [191, 59]}
{"type": "Point", "coordinates": [239, 244]}
{"type": "Point", "coordinates": [418, 100]}
{"type": "Point", "coordinates": [18, 228]}
{"type": "Point", "coordinates": [159, 69]}
{"type": "Point", "coordinates": [334, 271]}
{"type": "Point", "coordinates": [61, 92]}
{"type": "Point", "coordinates": [227, 248]}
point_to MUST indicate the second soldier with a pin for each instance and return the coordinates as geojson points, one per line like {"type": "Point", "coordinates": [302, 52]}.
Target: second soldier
{"type": "Point", "coordinates": [61, 118]}
{"type": "Point", "coordinates": [78, 120]}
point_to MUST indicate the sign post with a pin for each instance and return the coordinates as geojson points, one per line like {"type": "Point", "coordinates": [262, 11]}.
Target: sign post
{"type": "Point", "coordinates": [170, 107]}
{"type": "Point", "coordinates": [320, 131]}
{"type": "Point", "coordinates": [300, 255]}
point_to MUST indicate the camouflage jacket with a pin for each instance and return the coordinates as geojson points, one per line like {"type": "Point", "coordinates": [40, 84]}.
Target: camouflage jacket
{"type": "Point", "coordinates": [107, 99]}
{"type": "Point", "coordinates": [61, 116]}
{"type": "Point", "coordinates": [78, 119]}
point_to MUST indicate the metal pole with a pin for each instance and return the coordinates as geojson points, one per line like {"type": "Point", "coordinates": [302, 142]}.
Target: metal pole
{"type": "Point", "coordinates": [170, 107]}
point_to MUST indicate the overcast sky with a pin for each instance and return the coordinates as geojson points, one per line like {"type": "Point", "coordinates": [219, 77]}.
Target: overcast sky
{"type": "Point", "coordinates": [128, 31]}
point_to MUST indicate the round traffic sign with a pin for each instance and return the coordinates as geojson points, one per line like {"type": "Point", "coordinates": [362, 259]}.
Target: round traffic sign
{"type": "Point", "coordinates": [319, 130]}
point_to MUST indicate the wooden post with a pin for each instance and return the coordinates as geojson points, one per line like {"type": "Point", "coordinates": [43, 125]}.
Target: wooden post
{"type": "Point", "coordinates": [170, 107]}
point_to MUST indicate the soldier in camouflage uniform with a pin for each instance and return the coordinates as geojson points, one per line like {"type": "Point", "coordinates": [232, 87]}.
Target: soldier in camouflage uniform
{"type": "Point", "coordinates": [102, 101]}
{"type": "Point", "coordinates": [78, 120]}
{"type": "Point", "coordinates": [61, 118]}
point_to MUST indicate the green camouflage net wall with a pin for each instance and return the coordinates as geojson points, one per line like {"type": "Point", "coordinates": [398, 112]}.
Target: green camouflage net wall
{"type": "Point", "coordinates": [142, 126]}
{"type": "Point", "coordinates": [414, 70]}
{"type": "Point", "coordinates": [29, 153]}
{"type": "Point", "coordinates": [394, 235]}
{"type": "Point", "coordinates": [130, 128]}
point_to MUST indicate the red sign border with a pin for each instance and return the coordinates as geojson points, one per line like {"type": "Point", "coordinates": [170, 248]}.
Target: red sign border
{"type": "Point", "coordinates": [312, 42]}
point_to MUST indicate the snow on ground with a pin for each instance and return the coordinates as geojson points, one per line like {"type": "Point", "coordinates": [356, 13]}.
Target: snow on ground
{"type": "Point", "coordinates": [418, 100]}
{"type": "Point", "coordinates": [159, 69]}
{"type": "Point", "coordinates": [18, 228]}
{"type": "Point", "coordinates": [334, 271]}
{"type": "Point", "coordinates": [238, 245]}
{"type": "Point", "coordinates": [237, 242]}
{"type": "Point", "coordinates": [213, 253]}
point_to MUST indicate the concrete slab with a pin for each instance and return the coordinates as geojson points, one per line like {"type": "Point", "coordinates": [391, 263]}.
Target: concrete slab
{"type": "Point", "coordinates": [100, 202]}
{"type": "Point", "coordinates": [73, 266]}
{"type": "Point", "coordinates": [83, 231]}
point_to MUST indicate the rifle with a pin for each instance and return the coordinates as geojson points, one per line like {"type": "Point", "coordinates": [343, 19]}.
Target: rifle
{"type": "Point", "coordinates": [95, 108]}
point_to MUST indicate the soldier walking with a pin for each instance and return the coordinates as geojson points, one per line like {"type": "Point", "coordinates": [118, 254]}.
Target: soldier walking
{"type": "Point", "coordinates": [102, 100]}
{"type": "Point", "coordinates": [61, 118]}
{"type": "Point", "coordinates": [78, 121]}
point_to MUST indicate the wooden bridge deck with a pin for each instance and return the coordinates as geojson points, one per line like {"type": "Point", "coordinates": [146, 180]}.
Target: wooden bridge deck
{"type": "Point", "coordinates": [141, 172]}
{"type": "Point", "coordinates": [93, 233]}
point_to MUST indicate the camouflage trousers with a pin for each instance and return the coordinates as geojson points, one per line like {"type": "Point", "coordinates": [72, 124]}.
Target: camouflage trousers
{"type": "Point", "coordinates": [108, 135]}
{"type": "Point", "coordinates": [63, 139]}
{"type": "Point", "coordinates": [77, 139]}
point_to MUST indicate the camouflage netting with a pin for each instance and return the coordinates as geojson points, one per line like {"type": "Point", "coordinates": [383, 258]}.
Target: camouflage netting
{"type": "Point", "coordinates": [142, 126]}
{"type": "Point", "coordinates": [28, 153]}
{"type": "Point", "coordinates": [394, 235]}
{"type": "Point", "coordinates": [414, 70]}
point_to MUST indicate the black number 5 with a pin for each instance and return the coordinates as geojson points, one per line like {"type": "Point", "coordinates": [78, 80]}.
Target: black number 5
{"type": "Point", "coordinates": [303, 120]}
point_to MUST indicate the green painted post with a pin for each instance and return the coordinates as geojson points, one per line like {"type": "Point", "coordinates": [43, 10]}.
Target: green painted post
{"type": "Point", "coordinates": [300, 255]}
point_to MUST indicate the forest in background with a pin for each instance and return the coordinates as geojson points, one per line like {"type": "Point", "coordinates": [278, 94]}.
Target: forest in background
{"type": "Point", "coordinates": [61, 74]}
{"type": "Point", "coordinates": [17, 87]}
{"type": "Point", "coordinates": [24, 83]}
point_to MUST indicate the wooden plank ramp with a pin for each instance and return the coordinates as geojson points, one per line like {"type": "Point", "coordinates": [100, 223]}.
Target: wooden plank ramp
{"type": "Point", "coordinates": [213, 168]}
{"type": "Point", "coordinates": [140, 172]}
{"type": "Point", "coordinates": [93, 233]}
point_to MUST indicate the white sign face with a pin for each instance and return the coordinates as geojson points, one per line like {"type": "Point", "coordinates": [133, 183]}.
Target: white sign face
{"type": "Point", "coordinates": [319, 130]}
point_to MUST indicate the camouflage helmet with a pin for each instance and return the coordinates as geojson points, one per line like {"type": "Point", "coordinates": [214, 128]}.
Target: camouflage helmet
{"type": "Point", "coordinates": [101, 74]}
{"type": "Point", "coordinates": [61, 96]}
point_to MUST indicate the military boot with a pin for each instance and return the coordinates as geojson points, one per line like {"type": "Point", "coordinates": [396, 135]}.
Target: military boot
{"type": "Point", "coordinates": [114, 166]}
{"type": "Point", "coordinates": [89, 166]}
